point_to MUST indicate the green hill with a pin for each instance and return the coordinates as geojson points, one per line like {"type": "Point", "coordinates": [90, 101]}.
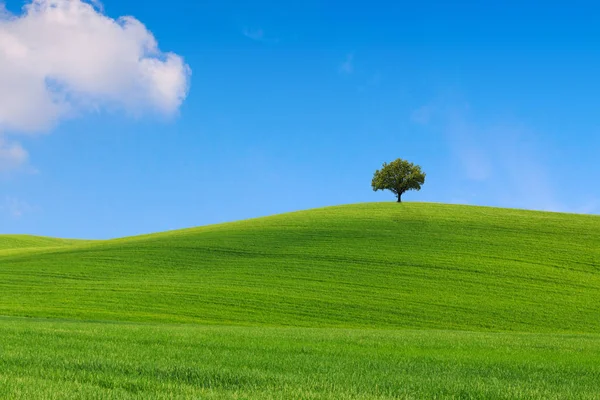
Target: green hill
{"type": "Point", "coordinates": [381, 265]}
{"type": "Point", "coordinates": [367, 301]}
{"type": "Point", "coordinates": [15, 242]}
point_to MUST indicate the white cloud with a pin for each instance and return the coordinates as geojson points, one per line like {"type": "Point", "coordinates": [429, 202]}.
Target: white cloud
{"type": "Point", "coordinates": [61, 57]}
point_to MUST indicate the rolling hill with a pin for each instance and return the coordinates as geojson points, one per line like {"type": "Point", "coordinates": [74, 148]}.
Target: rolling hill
{"type": "Point", "coordinates": [17, 242]}
{"type": "Point", "coordinates": [381, 265]}
{"type": "Point", "coordinates": [366, 301]}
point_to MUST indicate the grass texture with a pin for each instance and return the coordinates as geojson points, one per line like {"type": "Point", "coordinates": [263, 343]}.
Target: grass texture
{"type": "Point", "coordinates": [370, 301]}
{"type": "Point", "coordinates": [370, 265]}
{"type": "Point", "coordinates": [81, 360]}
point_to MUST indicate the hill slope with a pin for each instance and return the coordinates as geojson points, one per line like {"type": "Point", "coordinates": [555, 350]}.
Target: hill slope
{"type": "Point", "coordinates": [380, 265]}
{"type": "Point", "coordinates": [14, 242]}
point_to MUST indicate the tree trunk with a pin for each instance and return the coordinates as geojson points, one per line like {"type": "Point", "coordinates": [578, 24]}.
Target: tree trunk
{"type": "Point", "coordinates": [399, 197]}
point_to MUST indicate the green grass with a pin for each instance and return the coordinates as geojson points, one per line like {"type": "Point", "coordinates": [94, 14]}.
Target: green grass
{"type": "Point", "coordinates": [370, 265]}
{"type": "Point", "coordinates": [398, 300]}
{"type": "Point", "coordinates": [73, 360]}
{"type": "Point", "coordinates": [15, 243]}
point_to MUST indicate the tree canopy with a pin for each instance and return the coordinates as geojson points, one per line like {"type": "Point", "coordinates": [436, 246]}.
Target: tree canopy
{"type": "Point", "coordinates": [398, 177]}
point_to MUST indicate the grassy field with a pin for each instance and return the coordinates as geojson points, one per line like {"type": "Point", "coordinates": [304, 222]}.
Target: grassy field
{"type": "Point", "coordinates": [73, 360]}
{"type": "Point", "coordinates": [366, 301]}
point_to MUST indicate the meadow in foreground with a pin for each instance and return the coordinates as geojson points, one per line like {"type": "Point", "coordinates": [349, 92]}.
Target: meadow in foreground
{"type": "Point", "coordinates": [71, 360]}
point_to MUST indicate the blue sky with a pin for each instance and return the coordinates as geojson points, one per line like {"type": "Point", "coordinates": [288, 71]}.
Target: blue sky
{"type": "Point", "coordinates": [293, 106]}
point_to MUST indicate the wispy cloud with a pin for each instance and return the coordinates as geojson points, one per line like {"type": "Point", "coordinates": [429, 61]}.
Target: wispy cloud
{"type": "Point", "coordinates": [423, 114]}
{"type": "Point", "coordinates": [12, 156]}
{"type": "Point", "coordinates": [502, 159]}
{"type": "Point", "coordinates": [372, 82]}
{"type": "Point", "coordinates": [259, 35]}
{"type": "Point", "coordinates": [589, 207]}
{"type": "Point", "coordinates": [14, 208]}
{"type": "Point", "coordinates": [98, 4]}
{"type": "Point", "coordinates": [254, 34]}
{"type": "Point", "coordinates": [347, 67]}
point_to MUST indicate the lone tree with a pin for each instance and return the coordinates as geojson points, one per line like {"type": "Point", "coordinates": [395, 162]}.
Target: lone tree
{"type": "Point", "coordinates": [398, 177]}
